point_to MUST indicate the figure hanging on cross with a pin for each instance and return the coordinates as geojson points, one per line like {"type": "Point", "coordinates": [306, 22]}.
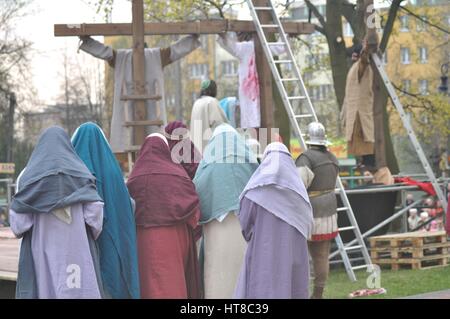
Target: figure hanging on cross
{"type": "Point", "coordinates": [121, 60]}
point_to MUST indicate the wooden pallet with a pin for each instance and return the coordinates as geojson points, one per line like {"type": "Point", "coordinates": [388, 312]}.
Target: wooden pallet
{"type": "Point", "coordinates": [410, 252]}
{"type": "Point", "coordinates": [414, 263]}
{"type": "Point", "coordinates": [416, 250]}
{"type": "Point", "coordinates": [413, 239]}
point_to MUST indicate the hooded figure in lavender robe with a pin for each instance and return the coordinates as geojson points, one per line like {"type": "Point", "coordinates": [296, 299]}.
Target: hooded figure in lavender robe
{"type": "Point", "coordinates": [59, 214]}
{"type": "Point", "coordinates": [276, 220]}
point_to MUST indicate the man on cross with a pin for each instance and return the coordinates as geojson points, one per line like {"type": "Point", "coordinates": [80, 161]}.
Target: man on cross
{"type": "Point", "coordinates": [121, 60]}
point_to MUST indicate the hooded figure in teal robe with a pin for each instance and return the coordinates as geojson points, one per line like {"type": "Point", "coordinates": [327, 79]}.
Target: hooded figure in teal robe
{"type": "Point", "coordinates": [117, 242]}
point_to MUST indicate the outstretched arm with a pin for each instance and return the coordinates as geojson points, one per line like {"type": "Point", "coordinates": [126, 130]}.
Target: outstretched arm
{"type": "Point", "coordinates": [179, 49]}
{"type": "Point", "coordinates": [98, 50]}
{"type": "Point", "coordinates": [228, 41]}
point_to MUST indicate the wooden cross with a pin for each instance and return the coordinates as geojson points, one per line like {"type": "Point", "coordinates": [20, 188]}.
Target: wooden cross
{"type": "Point", "coordinates": [138, 29]}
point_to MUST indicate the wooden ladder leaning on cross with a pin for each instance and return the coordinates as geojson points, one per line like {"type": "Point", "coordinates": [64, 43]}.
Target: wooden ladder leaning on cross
{"type": "Point", "coordinates": [138, 29]}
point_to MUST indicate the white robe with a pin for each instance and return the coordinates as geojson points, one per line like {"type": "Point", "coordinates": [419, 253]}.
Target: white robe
{"type": "Point", "coordinates": [206, 115]}
{"type": "Point", "coordinates": [249, 98]}
{"type": "Point", "coordinates": [121, 136]}
{"type": "Point", "coordinates": [224, 250]}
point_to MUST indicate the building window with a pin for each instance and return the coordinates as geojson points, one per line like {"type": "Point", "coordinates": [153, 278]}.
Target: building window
{"type": "Point", "coordinates": [423, 87]}
{"type": "Point", "coordinates": [322, 9]}
{"type": "Point", "coordinates": [320, 92]}
{"type": "Point", "coordinates": [406, 85]}
{"type": "Point", "coordinates": [348, 32]}
{"type": "Point", "coordinates": [404, 23]}
{"type": "Point", "coordinates": [199, 71]}
{"type": "Point", "coordinates": [423, 55]}
{"type": "Point", "coordinates": [385, 58]}
{"type": "Point", "coordinates": [421, 25]}
{"type": "Point", "coordinates": [204, 43]}
{"type": "Point", "coordinates": [229, 68]}
{"type": "Point", "coordinates": [405, 56]}
{"type": "Point", "coordinates": [308, 76]}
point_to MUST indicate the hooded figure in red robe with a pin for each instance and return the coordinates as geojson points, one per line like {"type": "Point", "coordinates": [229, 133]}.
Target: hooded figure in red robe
{"type": "Point", "coordinates": [167, 213]}
{"type": "Point", "coordinates": [182, 149]}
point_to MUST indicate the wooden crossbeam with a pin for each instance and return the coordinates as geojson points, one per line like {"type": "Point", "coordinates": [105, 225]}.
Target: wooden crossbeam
{"type": "Point", "coordinates": [167, 28]}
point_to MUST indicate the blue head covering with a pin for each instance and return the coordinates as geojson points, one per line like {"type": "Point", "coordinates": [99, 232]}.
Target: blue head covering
{"type": "Point", "coordinates": [277, 187]}
{"type": "Point", "coordinates": [225, 169]}
{"type": "Point", "coordinates": [117, 242]}
{"type": "Point", "coordinates": [228, 105]}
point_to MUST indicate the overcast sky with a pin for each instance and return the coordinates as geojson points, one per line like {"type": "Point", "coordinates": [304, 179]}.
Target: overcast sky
{"type": "Point", "coordinates": [48, 50]}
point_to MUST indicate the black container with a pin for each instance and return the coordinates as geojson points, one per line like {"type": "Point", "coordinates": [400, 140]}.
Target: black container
{"type": "Point", "coordinates": [369, 209]}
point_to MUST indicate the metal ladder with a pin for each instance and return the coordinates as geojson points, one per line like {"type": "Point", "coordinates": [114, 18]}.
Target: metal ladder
{"type": "Point", "coordinates": [412, 136]}
{"type": "Point", "coordinates": [309, 115]}
{"type": "Point", "coordinates": [133, 149]}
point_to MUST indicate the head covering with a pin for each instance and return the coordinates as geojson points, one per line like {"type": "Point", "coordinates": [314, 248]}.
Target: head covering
{"type": "Point", "coordinates": [225, 169]}
{"type": "Point", "coordinates": [177, 135]}
{"type": "Point", "coordinates": [55, 176]}
{"type": "Point", "coordinates": [205, 84]}
{"type": "Point", "coordinates": [164, 193]}
{"type": "Point", "coordinates": [228, 105]}
{"type": "Point", "coordinates": [117, 242]}
{"type": "Point", "coordinates": [277, 187]}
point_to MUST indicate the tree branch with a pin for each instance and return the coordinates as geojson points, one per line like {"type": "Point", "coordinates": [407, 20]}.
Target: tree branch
{"type": "Point", "coordinates": [387, 31]}
{"type": "Point", "coordinates": [316, 12]}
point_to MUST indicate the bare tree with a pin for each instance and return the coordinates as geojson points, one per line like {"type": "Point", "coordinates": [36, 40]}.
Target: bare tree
{"type": "Point", "coordinates": [82, 92]}
{"type": "Point", "coordinates": [14, 65]}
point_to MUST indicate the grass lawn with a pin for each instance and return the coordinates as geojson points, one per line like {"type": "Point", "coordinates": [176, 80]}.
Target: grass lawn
{"type": "Point", "coordinates": [399, 283]}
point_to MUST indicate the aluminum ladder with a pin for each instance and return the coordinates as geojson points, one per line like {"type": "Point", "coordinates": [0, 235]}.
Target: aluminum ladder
{"type": "Point", "coordinates": [310, 115]}
{"type": "Point", "coordinates": [406, 123]}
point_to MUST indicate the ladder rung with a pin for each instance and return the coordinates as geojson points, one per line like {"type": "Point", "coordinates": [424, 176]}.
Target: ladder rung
{"type": "Point", "coordinates": [290, 79]}
{"type": "Point", "coordinates": [360, 267]}
{"type": "Point", "coordinates": [302, 116]}
{"type": "Point", "coordinates": [140, 97]}
{"type": "Point", "coordinates": [269, 25]}
{"type": "Point", "coordinates": [132, 148]}
{"type": "Point", "coordinates": [353, 247]}
{"type": "Point", "coordinates": [263, 8]}
{"type": "Point", "coordinates": [282, 61]}
{"type": "Point", "coordinates": [144, 123]}
{"type": "Point", "coordinates": [346, 228]}
{"type": "Point", "coordinates": [341, 209]}
{"type": "Point", "coordinates": [276, 43]}
{"type": "Point", "coordinates": [300, 97]}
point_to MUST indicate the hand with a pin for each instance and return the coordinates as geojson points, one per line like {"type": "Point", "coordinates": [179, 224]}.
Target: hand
{"type": "Point", "coordinates": [84, 37]}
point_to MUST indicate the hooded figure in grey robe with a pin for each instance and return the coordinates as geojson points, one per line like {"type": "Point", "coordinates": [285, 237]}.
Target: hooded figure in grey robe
{"type": "Point", "coordinates": [155, 60]}
{"type": "Point", "coordinates": [59, 214]}
{"type": "Point", "coordinates": [276, 220]}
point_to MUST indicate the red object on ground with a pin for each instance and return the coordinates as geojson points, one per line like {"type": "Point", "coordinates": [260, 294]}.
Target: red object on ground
{"type": "Point", "coordinates": [425, 186]}
{"type": "Point", "coordinates": [367, 292]}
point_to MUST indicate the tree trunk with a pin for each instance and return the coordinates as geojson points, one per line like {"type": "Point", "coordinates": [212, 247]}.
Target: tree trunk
{"type": "Point", "coordinates": [384, 148]}
{"type": "Point", "coordinates": [336, 45]}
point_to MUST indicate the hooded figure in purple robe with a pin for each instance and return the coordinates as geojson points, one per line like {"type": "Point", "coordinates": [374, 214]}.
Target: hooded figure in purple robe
{"type": "Point", "coordinates": [276, 220]}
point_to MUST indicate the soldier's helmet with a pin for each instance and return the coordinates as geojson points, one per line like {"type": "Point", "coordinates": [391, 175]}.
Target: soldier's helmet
{"type": "Point", "coordinates": [316, 133]}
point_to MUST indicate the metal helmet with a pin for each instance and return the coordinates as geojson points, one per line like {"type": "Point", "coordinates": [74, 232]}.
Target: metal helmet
{"type": "Point", "coordinates": [316, 132]}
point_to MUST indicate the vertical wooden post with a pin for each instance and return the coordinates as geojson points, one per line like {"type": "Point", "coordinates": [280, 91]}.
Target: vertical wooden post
{"type": "Point", "coordinates": [264, 74]}
{"type": "Point", "coordinates": [140, 110]}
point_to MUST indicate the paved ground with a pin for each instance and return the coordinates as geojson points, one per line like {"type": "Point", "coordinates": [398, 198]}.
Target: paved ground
{"type": "Point", "coordinates": [444, 294]}
{"type": "Point", "coordinates": [9, 254]}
